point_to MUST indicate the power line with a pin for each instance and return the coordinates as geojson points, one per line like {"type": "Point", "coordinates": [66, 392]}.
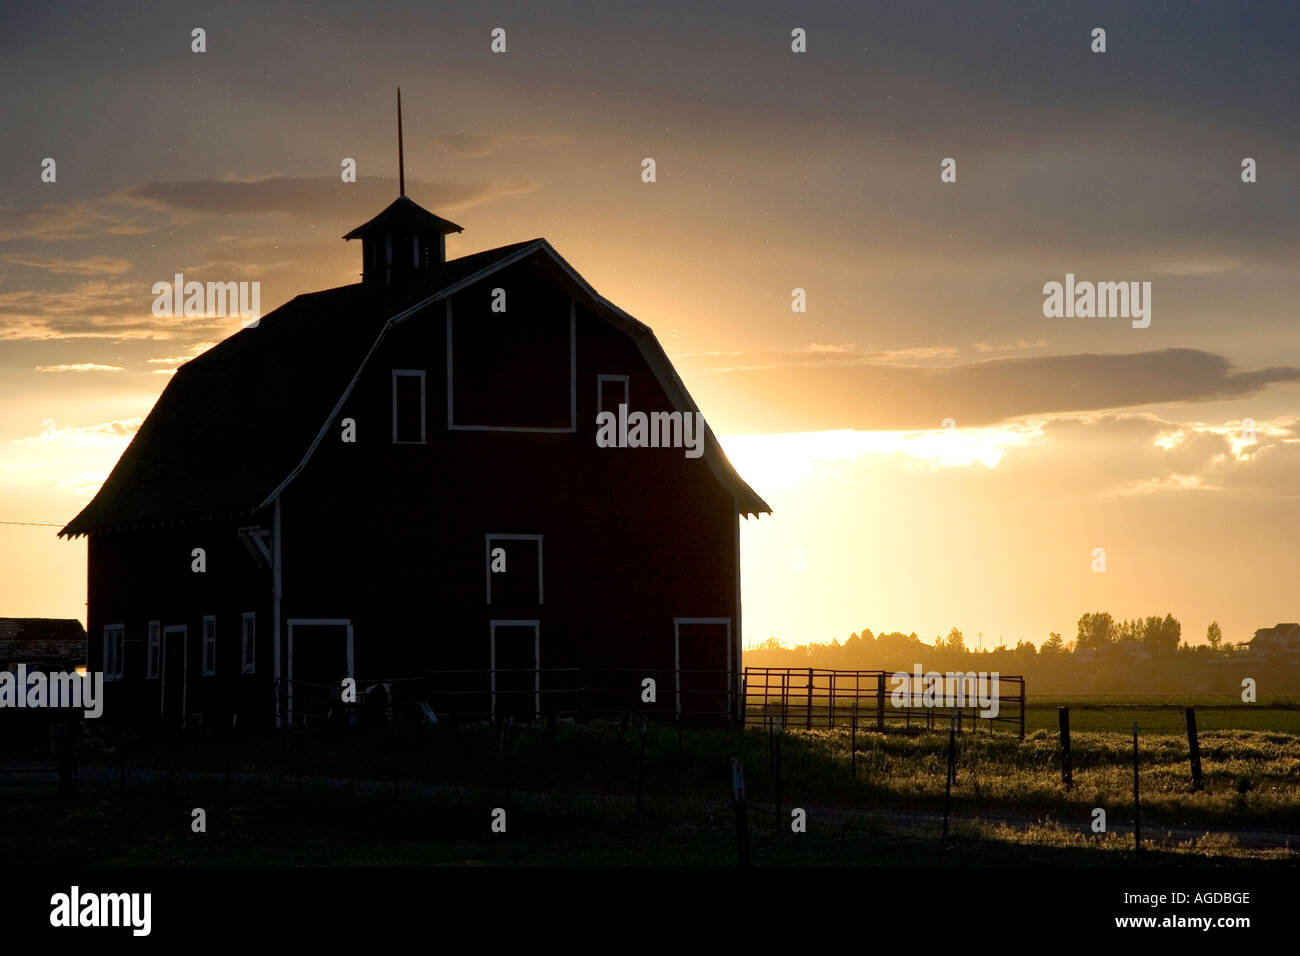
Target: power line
{"type": "Point", "coordinates": [33, 524]}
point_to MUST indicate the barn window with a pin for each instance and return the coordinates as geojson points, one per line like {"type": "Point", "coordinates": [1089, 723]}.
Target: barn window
{"type": "Point", "coordinates": [250, 637]}
{"type": "Point", "coordinates": [114, 647]}
{"type": "Point", "coordinates": [515, 370]}
{"type": "Point", "coordinates": [611, 391]}
{"type": "Point", "coordinates": [514, 569]}
{"type": "Point", "coordinates": [408, 406]}
{"type": "Point", "coordinates": [209, 646]}
{"type": "Point", "coordinates": [153, 658]}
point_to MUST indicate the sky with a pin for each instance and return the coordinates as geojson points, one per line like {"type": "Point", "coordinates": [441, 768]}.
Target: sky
{"type": "Point", "coordinates": [776, 170]}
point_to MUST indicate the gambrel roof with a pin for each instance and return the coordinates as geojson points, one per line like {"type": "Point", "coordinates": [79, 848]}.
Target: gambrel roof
{"type": "Point", "coordinates": [235, 425]}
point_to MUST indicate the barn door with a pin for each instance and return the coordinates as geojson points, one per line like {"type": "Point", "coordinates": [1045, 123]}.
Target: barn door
{"type": "Point", "coordinates": [516, 675]}
{"type": "Point", "coordinates": [320, 657]}
{"type": "Point", "coordinates": [175, 675]}
{"type": "Point", "coordinates": [703, 669]}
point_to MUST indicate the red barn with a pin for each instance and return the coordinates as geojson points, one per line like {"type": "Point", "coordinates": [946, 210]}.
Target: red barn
{"type": "Point", "coordinates": [401, 478]}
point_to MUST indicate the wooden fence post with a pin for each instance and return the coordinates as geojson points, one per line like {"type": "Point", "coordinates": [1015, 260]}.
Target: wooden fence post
{"type": "Point", "coordinates": [880, 702]}
{"type": "Point", "coordinates": [948, 781]}
{"type": "Point", "coordinates": [853, 744]}
{"type": "Point", "coordinates": [1067, 769]}
{"type": "Point", "coordinates": [742, 818]}
{"type": "Point", "coordinates": [1022, 708]}
{"type": "Point", "coordinates": [810, 697]}
{"type": "Point", "coordinates": [1137, 803]}
{"type": "Point", "coordinates": [640, 773]}
{"type": "Point", "coordinates": [1193, 749]}
{"type": "Point", "coordinates": [230, 748]}
{"type": "Point", "coordinates": [779, 728]}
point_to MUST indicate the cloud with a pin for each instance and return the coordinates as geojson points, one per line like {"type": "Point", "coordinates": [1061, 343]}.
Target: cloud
{"type": "Point", "coordinates": [818, 354]}
{"type": "Point", "coordinates": [94, 265]}
{"type": "Point", "coordinates": [891, 396]}
{"type": "Point", "coordinates": [111, 432]}
{"type": "Point", "coordinates": [59, 221]}
{"type": "Point", "coordinates": [94, 309]}
{"type": "Point", "coordinates": [175, 360]}
{"type": "Point", "coordinates": [310, 198]}
{"type": "Point", "coordinates": [1017, 346]}
{"type": "Point", "coordinates": [80, 367]}
{"type": "Point", "coordinates": [478, 145]}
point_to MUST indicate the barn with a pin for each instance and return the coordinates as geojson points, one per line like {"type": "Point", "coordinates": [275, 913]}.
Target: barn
{"type": "Point", "coordinates": [399, 481]}
{"type": "Point", "coordinates": [42, 643]}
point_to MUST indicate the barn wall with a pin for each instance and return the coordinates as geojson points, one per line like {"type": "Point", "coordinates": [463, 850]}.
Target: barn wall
{"type": "Point", "coordinates": [137, 577]}
{"type": "Point", "coordinates": [392, 536]}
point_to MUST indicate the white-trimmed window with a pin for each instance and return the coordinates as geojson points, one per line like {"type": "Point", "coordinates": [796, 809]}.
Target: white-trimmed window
{"type": "Point", "coordinates": [114, 650]}
{"type": "Point", "coordinates": [209, 645]}
{"type": "Point", "coordinates": [611, 391]}
{"type": "Point", "coordinates": [514, 569]}
{"type": "Point", "coordinates": [153, 651]}
{"type": "Point", "coordinates": [250, 643]}
{"type": "Point", "coordinates": [408, 406]}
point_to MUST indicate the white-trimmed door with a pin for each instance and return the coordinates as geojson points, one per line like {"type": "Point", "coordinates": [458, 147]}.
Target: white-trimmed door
{"type": "Point", "coordinates": [703, 670]}
{"type": "Point", "coordinates": [320, 657]}
{"type": "Point", "coordinates": [515, 655]}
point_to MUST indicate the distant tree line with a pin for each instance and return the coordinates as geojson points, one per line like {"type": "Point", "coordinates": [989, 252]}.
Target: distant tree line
{"type": "Point", "coordinates": [1141, 655]}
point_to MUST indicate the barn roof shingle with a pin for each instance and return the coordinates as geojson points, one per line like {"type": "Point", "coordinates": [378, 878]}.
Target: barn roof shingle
{"type": "Point", "coordinates": [40, 639]}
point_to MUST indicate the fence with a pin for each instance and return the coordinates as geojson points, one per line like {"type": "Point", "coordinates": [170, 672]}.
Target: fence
{"type": "Point", "coordinates": [691, 696]}
{"type": "Point", "coordinates": [38, 749]}
{"type": "Point", "coordinates": [820, 697]}
{"type": "Point", "coordinates": [808, 697]}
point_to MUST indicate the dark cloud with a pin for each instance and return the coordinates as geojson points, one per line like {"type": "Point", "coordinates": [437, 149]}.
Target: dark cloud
{"type": "Point", "coordinates": [874, 396]}
{"type": "Point", "coordinates": [56, 222]}
{"type": "Point", "coordinates": [478, 145]}
{"type": "Point", "coordinates": [314, 198]}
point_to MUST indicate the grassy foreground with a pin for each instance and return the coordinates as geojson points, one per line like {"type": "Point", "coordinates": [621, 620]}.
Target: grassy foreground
{"type": "Point", "coordinates": [425, 795]}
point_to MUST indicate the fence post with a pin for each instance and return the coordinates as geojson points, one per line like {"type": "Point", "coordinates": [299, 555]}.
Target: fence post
{"type": "Point", "coordinates": [830, 714]}
{"type": "Point", "coordinates": [742, 818]}
{"type": "Point", "coordinates": [810, 697]}
{"type": "Point", "coordinates": [744, 699]}
{"type": "Point", "coordinates": [510, 750]}
{"type": "Point", "coordinates": [1067, 769]}
{"type": "Point", "coordinates": [640, 774]}
{"type": "Point", "coordinates": [67, 773]}
{"type": "Point", "coordinates": [853, 745]}
{"type": "Point", "coordinates": [1193, 749]}
{"type": "Point", "coordinates": [779, 728]}
{"type": "Point", "coordinates": [952, 773]}
{"type": "Point", "coordinates": [1022, 707]}
{"type": "Point", "coordinates": [230, 748]}
{"type": "Point", "coordinates": [880, 701]}
{"type": "Point", "coordinates": [397, 755]}
{"type": "Point", "coordinates": [1137, 803]}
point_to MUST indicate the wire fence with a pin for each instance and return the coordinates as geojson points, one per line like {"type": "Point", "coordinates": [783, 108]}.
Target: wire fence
{"type": "Point", "coordinates": [798, 697]}
{"type": "Point", "coordinates": [819, 697]}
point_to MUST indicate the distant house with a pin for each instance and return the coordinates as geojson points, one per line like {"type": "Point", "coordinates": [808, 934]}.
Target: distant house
{"type": "Point", "coordinates": [42, 642]}
{"type": "Point", "coordinates": [1281, 641]}
{"type": "Point", "coordinates": [400, 478]}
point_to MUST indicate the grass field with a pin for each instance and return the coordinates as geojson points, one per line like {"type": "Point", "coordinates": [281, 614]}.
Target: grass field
{"type": "Point", "coordinates": [423, 794]}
